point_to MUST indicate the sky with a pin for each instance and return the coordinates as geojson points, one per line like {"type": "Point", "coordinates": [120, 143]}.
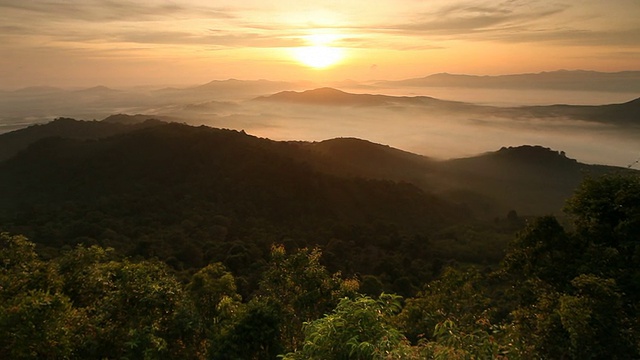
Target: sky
{"type": "Point", "coordinates": [121, 43]}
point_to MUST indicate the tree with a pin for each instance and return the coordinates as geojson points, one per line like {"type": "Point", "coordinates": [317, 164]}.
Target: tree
{"type": "Point", "coordinates": [36, 318]}
{"type": "Point", "coordinates": [544, 251]}
{"type": "Point", "coordinates": [607, 209]}
{"type": "Point", "coordinates": [213, 288]}
{"type": "Point", "coordinates": [304, 289]}
{"type": "Point", "coordinates": [253, 333]}
{"type": "Point", "coordinates": [576, 293]}
{"type": "Point", "coordinates": [139, 311]}
{"type": "Point", "coordinates": [458, 296]}
{"type": "Point", "coordinates": [355, 329]}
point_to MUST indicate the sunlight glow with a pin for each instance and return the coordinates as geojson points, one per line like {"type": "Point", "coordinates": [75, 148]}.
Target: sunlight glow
{"type": "Point", "coordinates": [319, 56]}
{"type": "Point", "coordinates": [320, 53]}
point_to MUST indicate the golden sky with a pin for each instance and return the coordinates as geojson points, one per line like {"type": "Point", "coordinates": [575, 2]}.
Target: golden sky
{"type": "Point", "coordinates": [125, 42]}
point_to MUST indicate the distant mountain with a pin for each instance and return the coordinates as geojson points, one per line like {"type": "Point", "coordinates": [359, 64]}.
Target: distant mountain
{"type": "Point", "coordinates": [98, 90]}
{"type": "Point", "coordinates": [334, 97]}
{"type": "Point", "coordinates": [327, 96]}
{"type": "Point", "coordinates": [229, 89]}
{"type": "Point", "coordinates": [625, 81]}
{"type": "Point", "coordinates": [38, 90]}
{"type": "Point", "coordinates": [627, 114]}
{"type": "Point", "coordinates": [244, 85]}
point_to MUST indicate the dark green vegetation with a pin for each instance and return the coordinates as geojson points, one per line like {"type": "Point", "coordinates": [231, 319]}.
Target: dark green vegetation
{"type": "Point", "coordinates": [170, 241]}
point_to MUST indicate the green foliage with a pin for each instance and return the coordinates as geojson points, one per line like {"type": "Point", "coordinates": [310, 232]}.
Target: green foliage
{"type": "Point", "coordinates": [21, 269]}
{"type": "Point", "coordinates": [544, 251]}
{"type": "Point", "coordinates": [304, 289]}
{"type": "Point", "coordinates": [356, 329]}
{"type": "Point", "coordinates": [36, 320]}
{"type": "Point", "coordinates": [213, 288]}
{"type": "Point", "coordinates": [194, 196]}
{"type": "Point", "coordinates": [83, 305]}
{"type": "Point", "coordinates": [559, 293]}
{"type": "Point", "coordinates": [593, 317]}
{"type": "Point", "coordinates": [38, 324]}
{"type": "Point", "coordinates": [576, 293]}
{"type": "Point", "coordinates": [136, 309]}
{"type": "Point", "coordinates": [253, 334]}
{"type": "Point", "coordinates": [607, 208]}
{"type": "Point", "coordinates": [457, 296]}
{"type": "Point", "coordinates": [453, 343]}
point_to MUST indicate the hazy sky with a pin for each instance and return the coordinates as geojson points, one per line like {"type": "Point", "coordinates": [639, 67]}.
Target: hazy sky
{"type": "Point", "coordinates": [123, 42]}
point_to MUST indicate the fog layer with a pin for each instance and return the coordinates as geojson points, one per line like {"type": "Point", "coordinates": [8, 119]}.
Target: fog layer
{"type": "Point", "coordinates": [439, 129]}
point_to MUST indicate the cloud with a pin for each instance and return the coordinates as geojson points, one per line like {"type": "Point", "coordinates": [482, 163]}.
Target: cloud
{"type": "Point", "coordinates": [109, 10]}
{"type": "Point", "coordinates": [465, 19]}
{"type": "Point", "coordinates": [429, 25]}
{"type": "Point", "coordinates": [514, 21]}
{"type": "Point", "coordinates": [71, 23]}
{"type": "Point", "coordinates": [212, 37]}
{"type": "Point", "coordinates": [571, 36]}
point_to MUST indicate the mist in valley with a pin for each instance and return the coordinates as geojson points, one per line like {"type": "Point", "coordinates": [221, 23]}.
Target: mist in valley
{"type": "Point", "coordinates": [468, 121]}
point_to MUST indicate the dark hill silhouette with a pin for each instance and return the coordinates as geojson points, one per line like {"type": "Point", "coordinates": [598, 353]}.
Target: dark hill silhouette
{"type": "Point", "coordinates": [163, 171]}
{"type": "Point", "coordinates": [133, 119]}
{"type": "Point", "coordinates": [195, 195]}
{"type": "Point", "coordinates": [13, 142]}
{"type": "Point", "coordinates": [530, 179]}
{"type": "Point", "coordinates": [361, 158]}
{"type": "Point", "coordinates": [191, 196]}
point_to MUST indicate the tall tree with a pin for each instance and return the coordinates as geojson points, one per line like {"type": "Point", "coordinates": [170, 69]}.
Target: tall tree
{"type": "Point", "coordinates": [304, 289]}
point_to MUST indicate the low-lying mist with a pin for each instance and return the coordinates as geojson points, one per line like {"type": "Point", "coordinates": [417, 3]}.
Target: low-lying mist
{"type": "Point", "coordinates": [436, 134]}
{"type": "Point", "coordinates": [436, 129]}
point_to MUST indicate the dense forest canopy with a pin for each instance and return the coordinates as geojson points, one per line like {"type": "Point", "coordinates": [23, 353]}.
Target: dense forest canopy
{"type": "Point", "coordinates": [170, 241]}
{"type": "Point", "coordinates": [557, 294]}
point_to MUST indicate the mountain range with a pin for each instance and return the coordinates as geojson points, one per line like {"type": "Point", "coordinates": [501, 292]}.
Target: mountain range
{"type": "Point", "coordinates": [626, 114]}
{"type": "Point", "coordinates": [530, 179]}
{"type": "Point", "coordinates": [581, 80]}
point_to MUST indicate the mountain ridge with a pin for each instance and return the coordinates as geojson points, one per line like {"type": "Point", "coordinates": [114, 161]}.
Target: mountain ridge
{"type": "Point", "coordinates": [335, 97]}
{"type": "Point", "coordinates": [621, 114]}
{"type": "Point", "coordinates": [582, 80]}
{"type": "Point", "coordinates": [539, 178]}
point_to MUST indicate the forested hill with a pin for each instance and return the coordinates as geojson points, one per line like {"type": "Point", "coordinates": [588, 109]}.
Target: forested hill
{"type": "Point", "coordinates": [15, 141]}
{"type": "Point", "coordinates": [229, 170]}
{"type": "Point", "coordinates": [115, 182]}
{"type": "Point", "coordinates": [532, 180]}
{"type": "Point", "coordinates": [225, 245]}
{"type": "Point", "coordinates": [192, 195]}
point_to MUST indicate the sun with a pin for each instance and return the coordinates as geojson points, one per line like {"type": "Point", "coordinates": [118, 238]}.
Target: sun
{"type": "Point", "coordinates": [318, 56]}
{"type": "Point", "coordinates": [320, 52]}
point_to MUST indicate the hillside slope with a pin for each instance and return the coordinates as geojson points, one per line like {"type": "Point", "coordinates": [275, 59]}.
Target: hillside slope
{"type": "Point", "coordinates": [172, 172]}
